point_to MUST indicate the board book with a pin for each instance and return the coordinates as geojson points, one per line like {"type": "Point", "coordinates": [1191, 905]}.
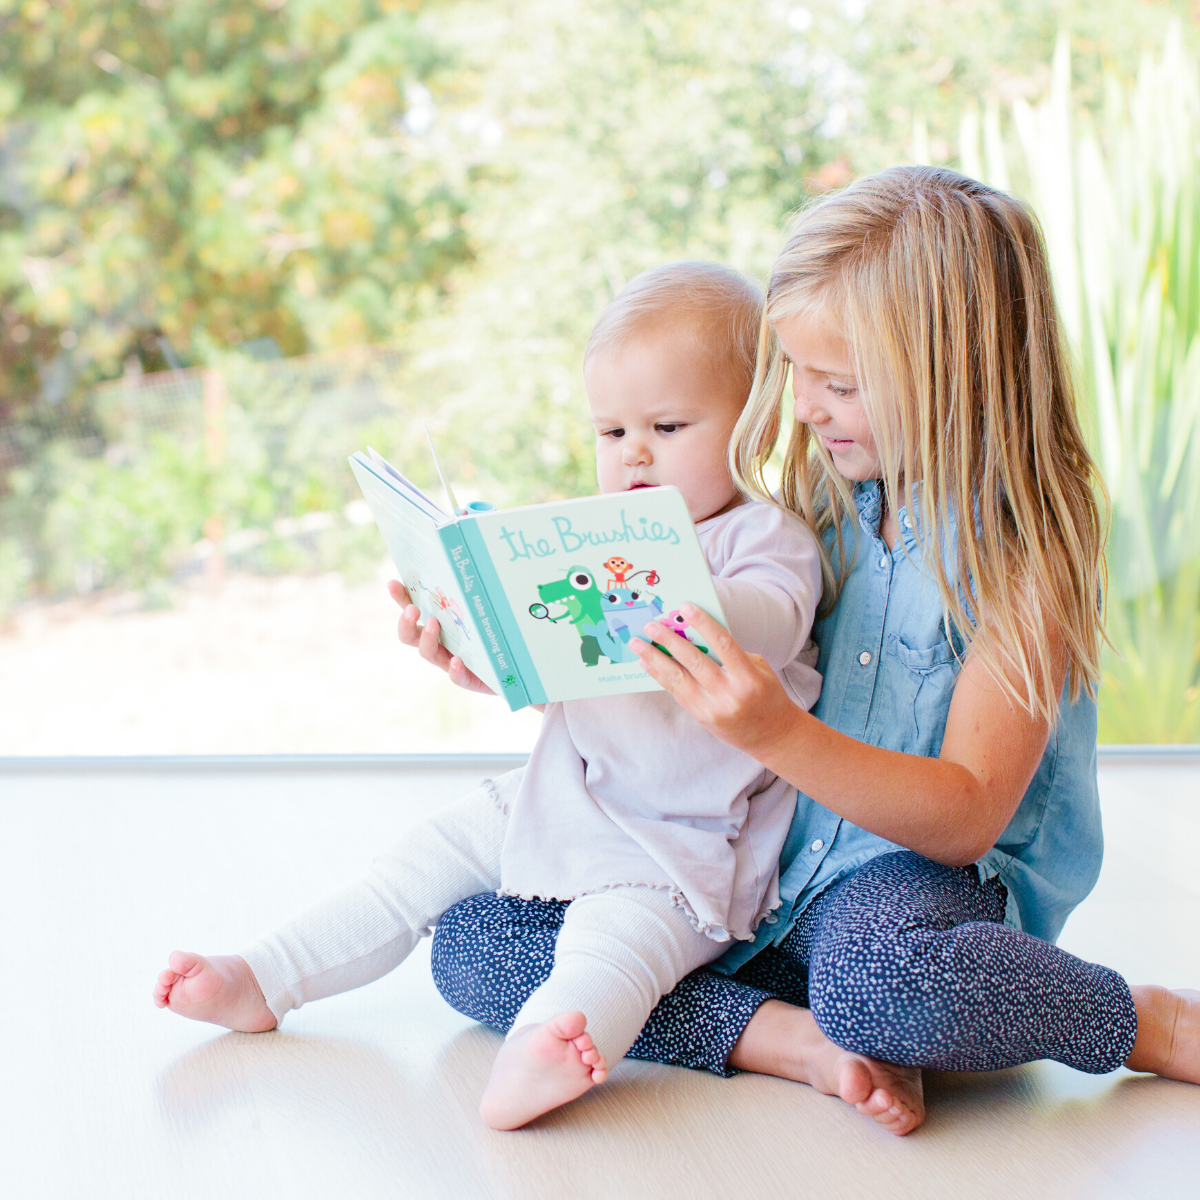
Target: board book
{"type": "Point", "coordinates": [541, 602]}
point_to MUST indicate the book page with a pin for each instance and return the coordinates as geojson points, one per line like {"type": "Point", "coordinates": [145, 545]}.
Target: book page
{"type": "Point", "coordinates": [416, 549]}
{"type": "Point", "coordinates": [583, 577]}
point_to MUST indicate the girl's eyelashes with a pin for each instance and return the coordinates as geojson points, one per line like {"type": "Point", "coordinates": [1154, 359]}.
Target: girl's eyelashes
{"type": "Point", "coordinates": [840, 390]}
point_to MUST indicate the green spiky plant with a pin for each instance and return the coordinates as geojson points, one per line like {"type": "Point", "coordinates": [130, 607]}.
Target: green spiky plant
{"type": "Point", "coordinates": [1117, 196]}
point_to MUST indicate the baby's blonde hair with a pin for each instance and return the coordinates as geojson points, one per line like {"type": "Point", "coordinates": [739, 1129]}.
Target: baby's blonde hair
{"type": "Point", "coordinates": [716, 307]}
{"type": "Point", "coordinates": [940, 286]}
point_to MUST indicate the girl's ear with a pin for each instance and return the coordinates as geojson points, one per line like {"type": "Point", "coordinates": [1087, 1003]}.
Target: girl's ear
{"type": "Point", "coordinates": [772, 430]}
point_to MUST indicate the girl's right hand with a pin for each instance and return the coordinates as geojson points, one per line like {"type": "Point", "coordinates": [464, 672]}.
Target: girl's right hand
{"type": "Point", "coordinates": [425, 639]}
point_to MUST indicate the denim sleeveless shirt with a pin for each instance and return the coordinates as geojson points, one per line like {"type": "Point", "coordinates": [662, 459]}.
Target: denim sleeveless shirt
{"type": "Point", "coordinates": [889, 670]}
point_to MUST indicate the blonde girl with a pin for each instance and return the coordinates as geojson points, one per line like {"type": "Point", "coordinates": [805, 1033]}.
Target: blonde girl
{"type": "Point", "coordinates": [948, 819]}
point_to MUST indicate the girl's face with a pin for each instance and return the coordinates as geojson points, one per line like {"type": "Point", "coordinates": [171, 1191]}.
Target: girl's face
{"type": "Point", "coordinates": [828, 398]}
{"type": "Point", "coordinates": [664, 415]}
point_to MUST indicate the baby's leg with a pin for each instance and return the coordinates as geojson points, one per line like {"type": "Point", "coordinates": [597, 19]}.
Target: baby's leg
{"type": "Point", "coordinates": [617, 954]}
{"type": "Point", "coordinates": [354, 936]}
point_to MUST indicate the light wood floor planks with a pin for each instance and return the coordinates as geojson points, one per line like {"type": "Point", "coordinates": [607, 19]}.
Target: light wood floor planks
{"type": "Point", "coordinates": [373, 1094]}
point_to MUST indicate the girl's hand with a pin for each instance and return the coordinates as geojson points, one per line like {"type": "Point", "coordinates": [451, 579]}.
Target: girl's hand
{"type": "Point", "coordinates": [425, 639]}
{"type": "Point", "coordinates": [740, 701]}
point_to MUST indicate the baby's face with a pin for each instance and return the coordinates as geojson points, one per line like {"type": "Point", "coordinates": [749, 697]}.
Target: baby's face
{"type": "Point", "coordinates": [664, 414]}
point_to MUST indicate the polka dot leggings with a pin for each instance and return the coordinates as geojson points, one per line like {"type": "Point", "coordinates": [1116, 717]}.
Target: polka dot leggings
{"type": "Point", "coordinates": [906, 960]}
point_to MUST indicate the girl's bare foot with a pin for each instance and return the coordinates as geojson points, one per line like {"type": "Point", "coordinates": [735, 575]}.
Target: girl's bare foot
{"type": "Point", "coordinates": [539, 1068]}
{"type": "Point", "coordinates": [785, 1041]}
{"type": "Point", "coordinates": [1168, 1033]}
{"type": "Point", "coordinates": [221, 989]}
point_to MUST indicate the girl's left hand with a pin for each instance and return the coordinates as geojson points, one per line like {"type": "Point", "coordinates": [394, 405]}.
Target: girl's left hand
{"type": "Point", "coordinates": [740, 700]}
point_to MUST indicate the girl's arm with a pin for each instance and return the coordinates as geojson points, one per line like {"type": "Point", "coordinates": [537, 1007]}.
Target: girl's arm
{"type": "Point", "coordinates": [950, 809]}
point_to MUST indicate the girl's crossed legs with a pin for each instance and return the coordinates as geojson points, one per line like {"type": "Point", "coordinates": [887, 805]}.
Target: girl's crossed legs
{"type": "Point", "coordinates": [906, 961]}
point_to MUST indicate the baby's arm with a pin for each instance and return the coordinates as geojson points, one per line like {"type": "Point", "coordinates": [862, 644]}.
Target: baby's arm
{"type": "Point", "coordinates": [768, 579]}
{"type": "Point", "coordinates": [425, 639]}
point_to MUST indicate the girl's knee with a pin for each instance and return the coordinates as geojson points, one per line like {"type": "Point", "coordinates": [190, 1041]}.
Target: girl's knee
{"type": "Point", "coordinates": [490, 952]}
{"type": "Point", "coordinates": [459, 942]}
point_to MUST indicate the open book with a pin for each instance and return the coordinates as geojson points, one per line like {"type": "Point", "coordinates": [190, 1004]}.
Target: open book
{"type": "Point", "coordinates": [541, 602]}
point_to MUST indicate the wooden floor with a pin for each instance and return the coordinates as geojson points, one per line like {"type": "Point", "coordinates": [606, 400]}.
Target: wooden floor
{"type": "Point", "coordinates": [373, 1094]}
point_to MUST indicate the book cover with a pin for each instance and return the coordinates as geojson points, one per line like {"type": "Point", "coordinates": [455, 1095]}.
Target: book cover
{"type": "Point", "coordinates": [411, 533]}
{"type": "Point", "coordinates": [541, 602]}
{"type": "Point", "coordinates": [579, 578]}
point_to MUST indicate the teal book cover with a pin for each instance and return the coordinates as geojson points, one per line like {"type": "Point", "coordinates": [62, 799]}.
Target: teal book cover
{"type": "Point", "coordinates": [549, 595]}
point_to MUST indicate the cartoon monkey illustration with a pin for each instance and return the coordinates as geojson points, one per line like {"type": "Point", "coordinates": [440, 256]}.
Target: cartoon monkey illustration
{"type": "Point", "coordinates": [618, 569]}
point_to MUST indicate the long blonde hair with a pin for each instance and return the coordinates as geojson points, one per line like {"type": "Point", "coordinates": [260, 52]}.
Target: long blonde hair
{"type": "Point", "coordinates": [940, 286]}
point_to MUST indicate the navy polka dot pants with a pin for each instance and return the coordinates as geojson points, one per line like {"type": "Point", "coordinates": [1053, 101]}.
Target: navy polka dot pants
{"type": "Point", "coordinates": [906, 960]}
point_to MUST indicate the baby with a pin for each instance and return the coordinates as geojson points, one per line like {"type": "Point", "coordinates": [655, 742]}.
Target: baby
{"type": "Point", "coordinates": [665, 841]}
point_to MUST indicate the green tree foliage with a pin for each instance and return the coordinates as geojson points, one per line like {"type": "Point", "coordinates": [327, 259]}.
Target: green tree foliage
{"type": "Point", "coordinates": [468, 180]}
{"type": "Point", "coordinates": [210, 172]}
{"type": "Point", "coordinates": [617, 135]}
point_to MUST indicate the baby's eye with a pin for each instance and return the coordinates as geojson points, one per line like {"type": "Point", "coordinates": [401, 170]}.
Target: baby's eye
{"type": "Point", "coordinates": [613, 433]}
{"type": "Point", "coordinates": [669, 426]}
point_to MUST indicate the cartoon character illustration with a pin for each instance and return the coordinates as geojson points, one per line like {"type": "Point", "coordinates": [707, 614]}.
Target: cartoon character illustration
{"type": "Point", "coordinates": [677, 623]}
{"type": "Point", "coordinates": [626, 611]}
{"type": "Point", "coordinates": [450, 607]}
{"type": "Point", "coordinates": [581, 600]}
{"type": "Point", "coordinates": [617, 568]}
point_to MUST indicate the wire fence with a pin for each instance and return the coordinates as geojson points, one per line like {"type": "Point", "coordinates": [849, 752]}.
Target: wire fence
{"type": "Point", "coordinates": [347, 387]}
{"type": "Point", "coordinates": [156, 476]}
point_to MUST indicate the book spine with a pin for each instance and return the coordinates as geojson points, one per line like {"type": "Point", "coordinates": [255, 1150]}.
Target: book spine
{"type": "Point", "coordinates": [468, 557]}
{"type": "Point", "coordinates": [503, 620]}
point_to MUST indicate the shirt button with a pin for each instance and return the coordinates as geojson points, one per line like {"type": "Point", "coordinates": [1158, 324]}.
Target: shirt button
{"type": "Point", "coordinates": [883, 564]}
{"type": "Point", "coordinates": [817, 845]}
{"type": "Point", "coordinates": [865, 657]}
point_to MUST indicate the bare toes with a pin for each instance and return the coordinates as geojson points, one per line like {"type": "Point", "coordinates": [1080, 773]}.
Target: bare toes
{"type": "Point", "coordinates": [568, 1026]}
{"type": "Point", "coordinates": [854, 1081]}
{"type": "Point", "coordinates": [876, 1104]}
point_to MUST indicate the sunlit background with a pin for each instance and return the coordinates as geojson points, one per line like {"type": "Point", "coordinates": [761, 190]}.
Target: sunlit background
{"type": "Point", "coordinates": [239, 241]}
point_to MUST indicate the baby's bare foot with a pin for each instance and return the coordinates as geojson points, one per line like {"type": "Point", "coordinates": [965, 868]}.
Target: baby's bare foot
{"type": "Point", "coordinates": [1168, 1033]}
{"type": "Point", "coordinates": [786, 1041]}
{"type": "Point", "coordinates": [539, 1068]}
{"type": "Point", "coordinates": [221, 989]}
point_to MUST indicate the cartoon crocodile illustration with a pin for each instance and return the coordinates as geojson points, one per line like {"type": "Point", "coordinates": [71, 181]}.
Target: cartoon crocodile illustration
{"type": "Point", "coordinates": [582, 601]}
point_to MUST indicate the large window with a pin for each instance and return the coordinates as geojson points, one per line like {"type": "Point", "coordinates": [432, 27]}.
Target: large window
{"type": "Point", "coordinates": [227, 262]}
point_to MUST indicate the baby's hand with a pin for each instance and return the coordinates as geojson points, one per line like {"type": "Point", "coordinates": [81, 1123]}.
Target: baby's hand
{"type": "Point", "coordinates": [425, 639]}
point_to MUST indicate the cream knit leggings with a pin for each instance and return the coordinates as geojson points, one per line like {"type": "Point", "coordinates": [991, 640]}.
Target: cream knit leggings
{"type": "Point", "coordinates": [619, 951]}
